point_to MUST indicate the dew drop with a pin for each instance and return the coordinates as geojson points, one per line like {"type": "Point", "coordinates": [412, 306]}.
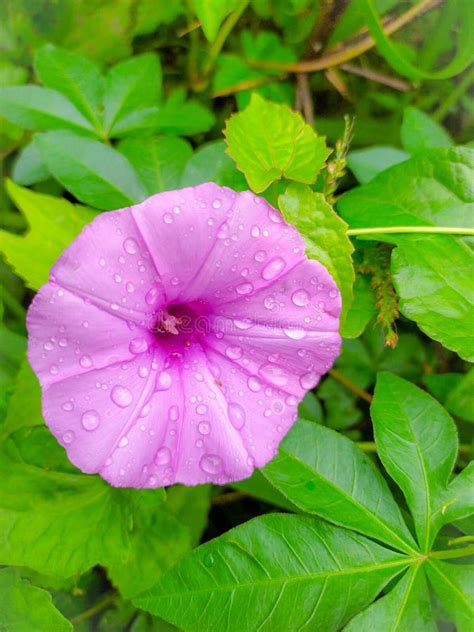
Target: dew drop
{"type": "Point", "coordinates": [216, 203]}
{"type": "Point", "coordinates": [145, 410]}
{"type": "Point", "coordinates": [291, 400]}
{"type": "Point", "coordinates": [174, 281]}
{"type": "Point", "coordinates": [164, 381]}
{"type": "Point", "coordinates": [130, 246]}
{"type": "Point", "coordinates": [123, 443]}
{"type": "Point", "coordinates": [260, 256]}
{"type": "Point", "coordinates": [118, 278]}
{"type": "Point", "coordinates": [309, 380]}
{"type": "Point", "coordinates": [274, 374]}
{"type": "Point", "coordinates": [85, 361]}
{"type": "Point", "coordinates": [295, 333]}
{"type": "Point", "coordinates": [53, 369]}
{"type": "Point", "coordinates": [333, 293]}
{"type": "Point", "coordinates": [208, 559]}
{"type": "Point", "coordinates": [151, 296]}
{"type": "Point", "coordinates": [138, 345]}
{"type": "Point", "coordinates": [68, 437]}
{"type": "Point", "coordinates": [130, 287]}
{"type": "Point", "coordinates": [254, 384]}
{"type": "Point", "coordinates": [236, 415]}
{"type": "Point", "coordinates": [275, 216]}
{"type": "Point", "coordinates": [255, 231]}
{"type": "Point", "coordinates": [234, 352]}
{"type": "Point", "coordinates": [90, 420]}
{"type": "Point", "coordinates": [177, 210]}
{"type": "Point", "coordinates": [244, 288]}
{"type": "Point", "coordinates": [48, 346]}
{"type": "Point", "coordinates": [243, 324]}
{"type": "Point", "coordinates": [143, 371]}
{"type": "Point", "coordinates": [62, 342]}
{"type": "Point", "coordinates": [68, 406]}
{"type": "Point", "coordinates": [173, 413]}
{"type": "Point", "coordinates": [163, 456]}
{"type": "Point", "coordinates": [168, 218]}
{"type": "Point", "coordinates": [300, 298]}
{"type": "Point", "coordinates": [102, 262]}
{"type": "Point", "coordinates": [114, 307]}
{"type": "Point", "coordinates": [201, 409]}
{"type": "Point", "coordinates": [121, 396]}
{"type": "Point", "coordinates": [273, 268]}
{"type": "Point", "coordinates": [204, 427]}
{"type": "Point", "coordinates": [211, 464]}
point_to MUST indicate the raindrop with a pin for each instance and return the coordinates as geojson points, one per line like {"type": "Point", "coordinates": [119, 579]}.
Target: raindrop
{"type": "Point", "coordinates": [236, 415]}
{"type": "Point", "coordinates": [211, 463]}
{"type": "Point", "coordinates": [118, 278]}
{"type": "Point", "coordinates": [68, 406]}
{"type": "Point", "coordinates": [255, 231]}
{"type": "Point", "coordinates": [274, 374]}
{"type": "Point", "coordinates": [114, 307]}
{"type": "Point", "coordinates": [53, 369]}
{"type": "Point", "coordinates": [234, 352]}
{"type": "Point", "coordinates": [244, 288]}
{"type": "Point", "coordinates": [48, 346]}
{"type": "Point", "coordinates": [176, 210]}
{"type": "Point", "coordinates": [208, 559]}
{"type": "Point", "coordinates": [275, 216]}
{"type": "Point", "coordinates": [300, 298]}
{"type": "Point", "coordinates": [143, 371]}
{"type": "Point", "coordinates": [164, 381]}
{"type": "Point", "coordinates": [243, 324]}
{"type": "Point", "coordinates": [145, 410]}
{"type": "Point", "coordinates": [130, 287]}
{"type": "Point", "coordinates": [123, 443]}
{"type": "Point", "coordinates": [151, 296]}
{"type": "Point", "coordinates": [273, 268]}
{"type": "Point", "coordinates": [130, 246]}
{"type": "Point", "coordinates": [168, 218]}
{"type": "Point", "coordinates": [138, 345]}
{"type": "Point", "coordinates": [174, 281]}
{"type": "Point", "coordinates": [173, 413]}
{"type": "Point", "coordinates": [294, 333]}
{"type": "Point", "coordinates": [201, 409]}
{"type": "Point", "coordinates": [68, 437]}
{"type": "Point", "coordinates": [204, 427]}
{"type": "Point", "coordinates": [85, 361]}
{"type": "Point", "coordinates": [102, 262]}
{"type": "Point", "coordinates": [260, 256]}
{"type": "Point", "coordinates": [216, 203]}
{"type": "Point", "coordinates": [90, 420]}
{"type": "Point", "coordinates": [254, 384]}
{"type": "Point", "coordinates": [121, 396]}
{"type": "Point", "coordinates": [308, 380]}
{"type": "Point", "coordinates": [333, 293]}
{"type": "Point", "coordinates": [163, 456]}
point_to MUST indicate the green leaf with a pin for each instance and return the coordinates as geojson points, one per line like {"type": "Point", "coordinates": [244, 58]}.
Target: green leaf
{"type": "Point", "coordinates": [457, 502]}
{"type": "Point", "coordinates": [53, 224]}
{"type": "Point", "coordinates": [25, 607]}
{"type": "Point", "coordinates": [251, 577]}
{"type": "Point", "coordinates": [29, 167]}
{"type": "Point", "coordinates": [420, 132]}
{"type": "Point", "coordinates": [190, 505]}
{"type": "Point", "coordinates": [24, 408]}
{"type": "Point", "coordinates": [340, 405]}
{"type": "Point", "coordinates": [405, 607]}
{"type": "Point", "coordinates": [417, 444]}
{"type": "Point", "coordinates": [259, 487]}
{"type": "Point", "coordinates": [309, 408]}
{"type": "Point", "coordinates": [362, 309]}
{"type": "Point", "coordinates": [432, 189]}
{"type": "Point", "coordinates": [325, 235]}
{"type": "Point", "coordinates": [354, 495]}
{"type": "Point", "coordinates": [460, 401]}
{"type": "Point", "coordinates": [159, 161]}
{"type": "Point", "coordinates": [12, 352]}
{"type": "Point", "coordinates": [210, 163]}
{"type": "Point", "coordinates": [93, 172]}
{"type": "Point", "coordinates": [285, 146]}
{"type": "Point", "coordinates": [439, 297]}
{"type": "Point", "coordinates": [211, 14]}
{"type": "Point", "coordinates": [367, 163]}
{"type": "Point", "coordinates": [36, 108]}
{"type": "Point", "coordinates": [131, 85]}
{"type": "Point", "coordinates": [151, 14]}
{"type": "Point", "coordinates": [454, 586]}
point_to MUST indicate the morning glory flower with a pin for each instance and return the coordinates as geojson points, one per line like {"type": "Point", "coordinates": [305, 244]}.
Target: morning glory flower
{"type": "Point", "coordinates": [176, 337]}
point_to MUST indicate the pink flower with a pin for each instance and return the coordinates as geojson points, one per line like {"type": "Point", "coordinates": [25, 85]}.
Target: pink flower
{"type": "Point", "coordinates": [176, 337]}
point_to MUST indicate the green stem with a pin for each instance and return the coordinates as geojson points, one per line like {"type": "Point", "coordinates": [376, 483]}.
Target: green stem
{"type": "Point", "coordinates": [14, 306]}
{"type": "Point", "coordinates": [434, 230]}
{"type": "Point", "coordinates": [95, 609]}
{"type": "Point", "coordinates": [223, 34]}
{"type": "Point", "coordinates": [457, 92]}
{"type": "Point", "coordinates": [453, 553]}
{"type": "Point", "coordinates": [461, 540]}
{"type": "Point", "coordinates": [367, 446]}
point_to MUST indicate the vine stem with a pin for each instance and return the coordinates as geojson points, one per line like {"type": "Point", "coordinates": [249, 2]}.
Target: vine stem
{"type": "Point", "coordinates": [433, 230]}
{"type": "Point", "coordinates": [95, 609]}
{"type": "Point", "coordinates": [222, 35]}
{"type": "Point", "coordinates": [453, 553]}
{"type": "Point", "coordinates": [348, 384]}
{"type": "Point", "coordinates": [461, 540]}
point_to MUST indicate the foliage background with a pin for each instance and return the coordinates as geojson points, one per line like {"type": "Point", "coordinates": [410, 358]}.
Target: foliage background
{"type": "Point", "coordinates": [364, 519]}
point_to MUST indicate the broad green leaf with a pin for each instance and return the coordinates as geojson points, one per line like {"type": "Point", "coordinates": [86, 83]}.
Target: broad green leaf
{"type": "Point", "coordinates": [93, 172]}
{"type": "Point", "coordinates": [211, 14]}
{"type": "Point", "coordinates": [53, 224]}
{"type": "Point", "coordinates": [353, 495]}
{"type": "Point", "coordinates": [454, 586]}
{"type": "Point", "coordinates": [25, 607]}
{"type": "Point", "coordinates": [251, 577]}
{"type": "Point", "coordinates": [259, 487]}
{"type": "Point", "coordinates": [190, 505]}
{"type": "Point", "coordinates": [78, 78]}
{"type": "Point", "coordinates": [159, 161]}
{"type": "Point", "coordinates": [441, 384]}
{"type": "Point", "coordinates": [405, 607]}
{"type": "Point", "coordinates": [457, 502]}
{"type": "Point", "coordinates": [24, 408]}
{"type": "Point", "coordinates": [417, 444]}
{"type": "Point", "coordinates": [36, 108]}
{"type": "Point", "coordinates": [431, 189]}
{"type": "Point", "coordinates": [432, 276]}
{"type": "Point", "coordinates": [460, 401]}
{"type": "Point", "coordinates": [29, 167]}
{"type": "Point", "coordinates": [420, 132]}
{"type": "Point", "coordinates": [12, 351]}
{"type": "Point", "coordinates": [151, 14]}
{"type": "Point", "coordinates": [325, 236]}
{"type": "Point", "coordinates": [367, 163]}
{"type": "Point", "coordinates": [310, 408]}
{"type": "Point", "coordinates": [284, 146]}
{"type": "Point", "coordinates": [133, 84]}
{"type": "Point", "coordinates": [210, 163]}
{"type": "Point", "coordinates": [340, 405]}
{"type": "Point", "coordinates": [362, 309]}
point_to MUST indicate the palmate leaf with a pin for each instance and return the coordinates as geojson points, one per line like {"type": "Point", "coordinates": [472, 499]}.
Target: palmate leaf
{"type": "Point", "coordinates": [324, 473]}
{"type": "Point", "coordinates": [454, 587]}
{"type": "Point", "coordinates": [276, 572]}
{"type": "Point", "coordinates": [24, 607]}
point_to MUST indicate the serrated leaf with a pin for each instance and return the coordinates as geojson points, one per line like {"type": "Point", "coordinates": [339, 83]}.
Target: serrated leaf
{"type": "Point", "coordinates": [432, 189]}
{"type": "Point", "coordinates": [74, 76]}
{"type": "Point", "coordinates": [325, 235]}
{"type": "Point", "coordinates": [417, 444]}
{"type": "Point", "coordinates": [420, 132]}
{"type": "Point", "coordinates": [53, 224]}
{"type": "Point", "coordinates": [29, 167]}
{"type": "Point", "coordinates": [25, 607]}
{"type": "Point", "coordinates": [354, 495]}
{"type": "Point", "coordinates": [159, 161]}
{"type": "Point", "coordinates": [405, 607]}
{"type": "Point", "coordinates": [251, 577]}
{"type": "Point", "coordinates": [211, 14]}
{"type": "Point", "coordinates": [36, 108]}
{"type": "Point", "coordinates": [454, 586]}
{"type": "Point", "coordinates": [131, 85]}
{"type": "Point", "coordinates": [93, 172]}
{"type": "Point", "coordinates": [210, 163]}
{"type": "Point", "coordinates": [367, 163]}
{"type": "Point", "coordinates": [284, 146]}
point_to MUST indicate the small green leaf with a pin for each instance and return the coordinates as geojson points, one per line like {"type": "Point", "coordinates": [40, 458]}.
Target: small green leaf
{"type": "Point", "coordinates": [29, 167]}
{"type": "Point", "coordinates": [53, 224]}
{"type": "Point", "coordinates": [457, 502]}
{"type": "Point", "coordinates": [74, 76]}
{"type": "Point", "coordinates": [284, 146]}
{"type": "Point", "coordinates": [362, 309]}
{"type": "Point", "coordinates": [36, 108]}
{"type": "Point", "coordinates": [417, 444]}
{"type": "Point", "coordinates": [325, 235]}
{"type": "Point", "coordinates": [24, 408]}
{"type": "Point", "coordinates": [310, 408]}
{"type": "Point", "coordinates": [355, 495]}
{"type": "Point", "coordinates": [211, 14]}
{"type": "Point", "coordinates": [25, 607]}
{"type": "Point", "coordinates": [367, 163]}
{"type": "Point", "coordinates": [210, 163]}
{"type": "Point", "coordinates": [159, 161]}
{"type": "Point", "coordinates": [420, 132]}
{"type": "Point", "coordinates": [93, 172]}
{"type": "Point", "coordinates": [251, 577]}
{"type": "Point", "coordinates": [131, 85]}
{"type": "Point", "coordinates": [405, 607]}
{"type": "Point", "coordinates": [454, 586]}
{"type": "Point", "coordinates": [460, 401]}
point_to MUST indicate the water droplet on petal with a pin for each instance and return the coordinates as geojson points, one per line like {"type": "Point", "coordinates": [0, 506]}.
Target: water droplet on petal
{"type": "Point", "coordinates": [68, 437]}
{"type": "Point", "coordinates": [173, 413]}
{"type": "Point", "coordinates": [201, 409]}
{"type": "Point", "coordinates": [118, 278]}
{"type": "Point", "coordinates": [260, 256]}
{"type": "Point", "coordinates": [121, 396]}
{"type": "Point", "coordinates": [53, 369]}
{"type": "Point", "coordinates": [177, 210]}
{"type": "Point", "coordinates": [123, 443]}
{"type": "Point", "coordinates": [48, 346]}
{"type": "Point", "coordinates": [152, 295]}
{"type": "Point", "coordinates": [295, 333]}
{"type": "Point", "coordinates": [300, 298]}
{"type": "Point", "coordinates": [236, 415]}
{"type": "Point", "coordinates": [68, 406]}
{"type": "Point", "coordinates": [102, 262]}
{"type": "Point", "coordinates": [204, 427]}
{"type": "Point", "coordinates": [130, 246]}
{"type": "Point", "coordinates": [168, 218]}
{"type": "Point", "coordinates": [163, 456]}
{"type": "Point", "coordinates": [254, 384]}
{"type": "Point", "coordinates": [273, 268]}
{"type": "Point", "coordinates": [138, 345]}
{"type": "Point", "coordinates": [90, 420]}
{"type": "Point", "coordinates": [275, 216]}
{"type": "Point", "coordinates": [244, 288]}
{"type": "Point", "coordinates": [291, 400]}
{"type": "Point", "coordinates": [309, 380]}
{"type": "Point", "coordinates": [85, 361]}
{"type": "Point", "coordinates": [143, 371]}
{"type": "Point", "coordinates": [164, 381]}
{"type": "Point", "coordinates": [333, 293]}
{"type": "Point", "coordinates": [174, 281]}
{"type": "Point", "coordinates": [211, 464]}
{"type": "Point", "coordinates": [255, 231]}
{"type": "Point", "coordinates": [216, 203]}
{"type": "Point", "coordinates": [130, 287]}
{"type": "Point", "coordinates": [234, 352]}
{"type": "Point", "coordinates": [274, 374]}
